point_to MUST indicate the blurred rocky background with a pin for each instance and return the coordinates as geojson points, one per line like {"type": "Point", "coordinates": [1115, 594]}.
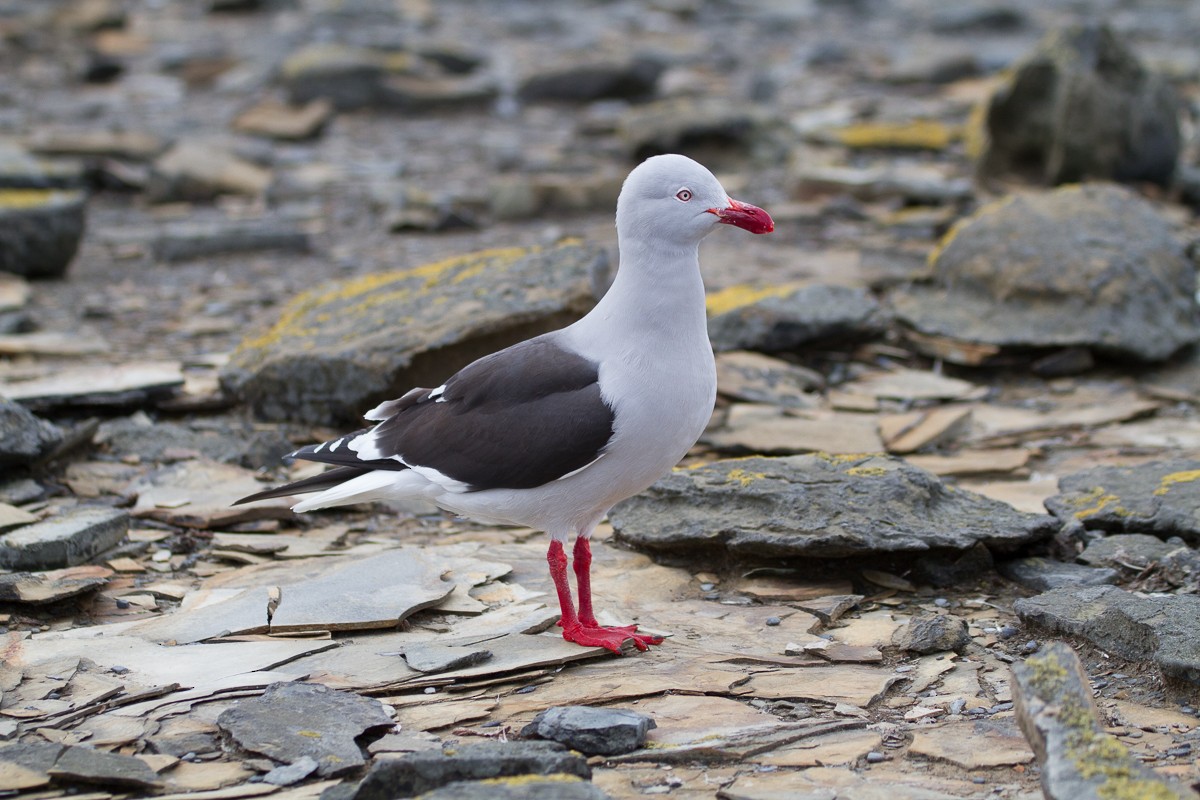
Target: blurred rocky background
{"type": "Point", "coordinates": [938, 542]}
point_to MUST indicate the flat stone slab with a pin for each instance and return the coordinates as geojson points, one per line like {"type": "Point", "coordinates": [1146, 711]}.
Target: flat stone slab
{"type": "Point", "coordinates": [342, 347]}
{"type": "Point", "coordinates": [37, 588]}
{"type": "Point", "coordinates": [63, 541]}
{"type": "Point", "coordinates": [1042, 574]}
{"type": "Point", "coordinates": [1078, 760]}
{"type": "Point", "coordinates": [425, 771]}
{"type": "Point", "coordinates": [294, 720]}
{"type": "Point", "coordinates": [129, 384]}
{"type": "Point", "coordinates": [1163, 629]}
{"type": "Point", "coordinates": [592, 730]}
{"type": "Point", "coordinates": [521, 787]}
{"type": "Point", "coordinates": [1093, 266]}
{"type": "Point", "coordinates": [1161, 498]}
{"type": "Point", "coordinates": [818, 505]}
{"type": "Point", "coordinates": [787, 317]}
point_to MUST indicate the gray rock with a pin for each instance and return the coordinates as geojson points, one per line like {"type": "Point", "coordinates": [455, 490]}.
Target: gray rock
{"type": "Point", "coordinates": [1163, 629]}
{"type": "Point", "coordinates": [788, 318]}
{"type": "Point", "coordinates": [227, 441]}
{"type": "Point", "coordinates": [293, 720]}
{"type": "Point", "coordinates": [292, 773]}
{"type": "Point", "coordinates": [756, 378]}
{"type": "Point", "coordinates": [40, 588]}
{"type": "Point", "coordinates": [339, 349]}
{"type": "Point", "coordinates": [40, 230]}
{"type": "Point", "coordinates": [1089, 266]}
{"type": "Point", "coordinates": [347, 76]}
{"type": "Point", "coordinates": [425, 771]}
{"type": "Point", "coordinates": [981, 17]}
{"type": "Point", "coordinates": [416, 94]}
{"type": "Point", "coordinates": [187, 240]}
{"type": "Point", "coordinates": [1159, 497]}
{"type": "Point", "coordinates": [633, 79]}
{"type": "Point", "coordinates": [433, 657]}
{"type": "Point", "coordinates": [24, 437]}
{"type": "Point", "coordinates": [65, 540]}
{"type": "Point", "coordinates": [520, 788]}
{"type": "Point", "coordinates": [1042, 574]}
{"type": "Point", "coordinates": [933, 633]}
{"type": "Point", "coordinates": [524, 196]}
{"type": "Point", "coordinates": [1129, 550]}
{"type": "Point", "coordinates": [1080, 106]}
{"type": "Point", "coordinates": [592, 731]}
{"type": "Point", "coordinates": [20, 491]}
{"type": "Point", "coordinates": [1078, 760]}
{"type": "Point", "coordinates": [954, 568]}
{"type": "Point", "coordinates": [818, 505]}
{"type": "Point", "coordinates": [689, 125]}
{"type": "Point", "coordinates": [88, 765]}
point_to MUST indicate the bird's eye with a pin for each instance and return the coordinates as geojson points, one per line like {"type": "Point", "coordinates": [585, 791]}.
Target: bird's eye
{"type": "Point", "coordinates": [683, 195]}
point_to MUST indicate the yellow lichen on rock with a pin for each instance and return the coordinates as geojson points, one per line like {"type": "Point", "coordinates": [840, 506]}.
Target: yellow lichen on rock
{"type": "Point", "coordinates": [744, 477]}
{"type": "Point", "coordinates": [1095, 501]}
{"type": "Point", "coordinates": [1186, 476]}
{"type": "Point", "coordinates": [744, 294]}
{"type": "Point", "coordinates": [33, 198]}
{"type": "Point", "coordinates": [920, 134]}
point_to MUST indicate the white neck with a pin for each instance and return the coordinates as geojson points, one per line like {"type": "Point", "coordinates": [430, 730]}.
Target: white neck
{"type": "Point", "coordinates": [658, 293]}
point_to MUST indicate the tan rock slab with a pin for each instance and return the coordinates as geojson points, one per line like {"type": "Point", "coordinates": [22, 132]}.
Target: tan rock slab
{"type": "Point", "coordinates": [95, 384]}
{"type": "Point", "coordinates": [187, 776]}
{"type": "Point", "coordinates": [768, 431]}
{"type": "Point", "coordinates": [685, 719]}
{"type": "Point", "coordinates": [973, 745]}
{"type": "Point", "coordinates": [873, 629]}
{"type": "Point", "coordinates": [915, 430]}
{"type": "Point", "coordinates": [855, 684]}
{"type": "Point", "coordinates": [1027, 495]}
{"type": "Point", "coordinates": [282, 121]}
{"type": "Point", "coordinates": [13, 517]}
{"type": "Point", "coordinates": [199, 493]}
{"type": "Point", "coordinates": [830, 750]}
{"type": "Point", "coordinates": [912, 384]}
{"type": "Point", "coordinates": [974, 462]}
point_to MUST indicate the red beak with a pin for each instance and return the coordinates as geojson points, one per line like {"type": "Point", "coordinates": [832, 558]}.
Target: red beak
{"type": "Point", "coordinates": [746, 216]}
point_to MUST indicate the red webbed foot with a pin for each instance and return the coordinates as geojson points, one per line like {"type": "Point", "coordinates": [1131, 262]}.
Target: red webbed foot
{"type": "Point", "coordinates": [610, 638]}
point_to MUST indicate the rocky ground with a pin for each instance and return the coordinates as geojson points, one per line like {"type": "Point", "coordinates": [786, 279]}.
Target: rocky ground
{"type": "Point", "coordinates": [938, 542]}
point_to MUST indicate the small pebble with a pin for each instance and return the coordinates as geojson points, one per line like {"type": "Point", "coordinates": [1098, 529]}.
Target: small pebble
{"type": "Point", "coordinates": [526, 689]}
{"type": "Point", "coordinates": [1187, 710]}
{"type": "Point", "coordinates": [773, 620]}
{"type": "Point", "coordinates": [430, 690]}
{"type": "Point", "coordinates": [874, 757]}
{"type": "Point", "coordinates": [941, 602]}
{"type": "Point", "coordinates": [117, 669]}
{"type": "Point", "coordinates": [495, 723]}
{"type": "Point", "coordinates": [712, 595]}
{"type": "Point", "coordinates": [979, 779]}
{"type": "Point", "coordinates": [707, 587]}
{"type": "Point", "coordinates": [1008, 631]}
{"type": "Point", "coordinates": [957, 706]}
{"type": "Point", "coordinates": [996, 709]}
{"type": "Point", "coordinates": [1030, 647]}
{"type": "Point", "coordinates": [188, 756]}
{"type": "Point", "coordinates": [122, 603]}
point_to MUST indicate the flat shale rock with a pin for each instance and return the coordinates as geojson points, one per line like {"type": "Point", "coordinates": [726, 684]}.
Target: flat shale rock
{"type": "Point", "coordinates": [200, 171]}
{"type": "Point", "coordinates": [342, 347]}
{"type": "Point", "coordinates": [783, 318]}
{"type": "Point", "coordinates": [592, 730]}
{"type": "Point", "coordinates": [550, 787]}
{"type": "Point", "coordinates": [818, 505]}
{"type": "Point", "coordinates": [1080, 106]}
{"type": "Point", "coordinates": [1043, 574]}
{"type": "Point", "coordinates": [1130, 550]}
{"type": "Point", "coordinates": [65, 540]}
{"type": "Point", "coordinates": [1090, 266]}
{"type": "Point", "coordinates": [425, 771]}
{"type": "Point", "coordinates": [294, 720]}
{"type": "Point", "coordinates": [1078, 760]}
{"type": "Point", "coordinates": [756, 378]}
{"type": "Point", "coordinates": [98, 385]}
{"type": "Point", "coordinates": [1163, 629]}
{"type": "Point", "coordinates": [683, 125]}
{"type": "Point", "coordinates": [182, 241]}
{"type": "Point", "coordinates": [36, 588]}
{"type": "Point", "coordinates": [88, 765]}
{"type": "Point", "coordinates": [1160, 498]}
{"type": "Point", "coordinates": [40, 230]}
{"type": "Point", "coordinates": [24, 437]}
{"type": "Point", "coordinates": [633, 79]}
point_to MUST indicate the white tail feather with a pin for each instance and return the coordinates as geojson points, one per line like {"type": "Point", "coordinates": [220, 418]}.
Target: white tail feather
{"type": "Point", "coordinates": [375, 485]}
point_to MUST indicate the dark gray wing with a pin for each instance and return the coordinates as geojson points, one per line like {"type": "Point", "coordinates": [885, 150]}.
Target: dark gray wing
{"type": "Point", "coordinates": [516, 419]}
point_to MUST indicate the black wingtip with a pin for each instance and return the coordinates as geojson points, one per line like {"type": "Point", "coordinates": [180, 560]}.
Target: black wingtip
{"type": "Point", "coordinates": [316, 483]}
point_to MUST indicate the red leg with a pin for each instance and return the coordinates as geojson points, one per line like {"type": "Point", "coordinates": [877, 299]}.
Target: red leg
{"type": "Point", "coordinates": [582, 628]}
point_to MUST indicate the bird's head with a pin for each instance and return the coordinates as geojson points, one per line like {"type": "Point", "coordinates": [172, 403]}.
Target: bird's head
{"type": "Point", "coordinates": [675, 199]}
